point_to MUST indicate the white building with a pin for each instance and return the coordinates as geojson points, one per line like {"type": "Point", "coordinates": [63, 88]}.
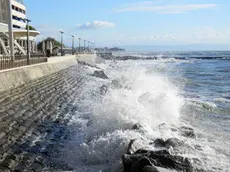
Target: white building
{"type": "Point", "coordinates": [18, 10]}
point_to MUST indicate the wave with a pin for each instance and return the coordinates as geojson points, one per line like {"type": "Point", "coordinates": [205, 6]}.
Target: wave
{"type": "Point", "coordinates": [102, 128]}
{"type": "Point", "coordinates": [222, 99]}
{"type": "Point", "coordinates": [202, 104]}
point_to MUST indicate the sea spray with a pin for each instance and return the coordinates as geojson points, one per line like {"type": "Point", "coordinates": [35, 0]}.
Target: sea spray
{"type": "Point", "coordinates": [138, 92]}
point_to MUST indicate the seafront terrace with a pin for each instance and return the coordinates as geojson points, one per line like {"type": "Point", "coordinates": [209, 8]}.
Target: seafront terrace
{"type": "Point", "coordinates": [6, 62]}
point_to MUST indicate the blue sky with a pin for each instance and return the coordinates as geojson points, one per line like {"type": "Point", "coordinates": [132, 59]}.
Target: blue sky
{"type": "Point", "coordinates": [133, 22]}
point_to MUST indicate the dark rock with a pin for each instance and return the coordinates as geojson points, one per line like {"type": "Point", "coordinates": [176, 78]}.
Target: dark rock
{"type": "Point", "coordinates": [140, 164]}
{"type": "Point", "coordinates": [159, 143]}
{"type": "Point", "coordinates": [164, 159]}
{"type": "Point", "coordinates": [103, 89]}
{"type": "Point", "coordinates": [173, 142]}
{"type": "Point", "coordinates": [127, 161]}
{"type": "Point", "coordinates": [35, 149]}
{"type": "Point", "coordinates": [130, 160]}
{"type": "Point", "coordinates": [150, 169]}
{"type": "Point", "coordinates": [36, 167]}
{"type": "Point", "coordinates": [12, 156]}
{"type": "Point", "coordinates": [136, 126]}
{"type": "Point", "coordinates": [187, 132]}
{"type": "Point", "coordinates": [139, 157]}
{"type": "Point", "coordinates": [100, 74]}
{"type": "Point", "coordinates": [4, 169]}
{"type": "Point", "coordinates": [9, 163]}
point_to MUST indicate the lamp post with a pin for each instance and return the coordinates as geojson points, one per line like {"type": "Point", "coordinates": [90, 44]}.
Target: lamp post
{"type": "Point", "coordinates": [10, 29]}
{"type": "Point", "coordinates": [84, 45]}
{"type": "Point", "coordinates": [79, 45]}
{"type": "Point", "coordinates": [28, 40]}
{"type": "Point", "coordinates": [72, 44]}
{"type": "Point", "coordinates": [93, 45]}
{"type": "Point", "coordinates": [61, 42]}
{"type": "Point", "coordinates": [88, 46]}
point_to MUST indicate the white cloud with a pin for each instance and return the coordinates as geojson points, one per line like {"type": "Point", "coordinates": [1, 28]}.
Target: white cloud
{"type": "Point", "coordinates": [149, 6]}
{"type": "Point", "coordinates": [96, 24]}
{"type": "Point", "coordinates": [195, 35]}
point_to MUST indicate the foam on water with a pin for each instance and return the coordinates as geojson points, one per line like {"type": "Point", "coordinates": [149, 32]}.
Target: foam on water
{"type": "Point", "coordinates": [103, 127]}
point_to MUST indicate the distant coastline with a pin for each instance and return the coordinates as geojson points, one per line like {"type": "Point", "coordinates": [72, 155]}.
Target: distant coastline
{"type": "Point", "coordinates": [114, 49]}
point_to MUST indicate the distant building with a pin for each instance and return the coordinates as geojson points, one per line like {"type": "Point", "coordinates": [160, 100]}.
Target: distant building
{"type": "Point", "coordinates": [19, 28]}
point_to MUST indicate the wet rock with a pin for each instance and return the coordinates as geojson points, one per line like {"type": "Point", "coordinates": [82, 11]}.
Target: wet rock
{"type": "Point", "coordinates": [4, 169]}
{"type": "Point", "coordinates": [2, 134]}
{"type": "Point", "coordinates": [103, 89]}
{"type": "Point", "coordinates": [173, 142]}
{"type": "Point", "coordinates": [150, 169]}
{"type": "Point", "coordinates": [129, 160]}
{"type": "Point", "coordinates": [35, 149]}
{"type": "Point", "coordinates": [134, 145]}
{"type": "Point", "coordinates": [159, 143]}
{"type": "Point", "coordinates": [188, 132]}
{"type": "Point", "coordinates": [9, 163]}
{"type": "Point", "coordinates": [138, 157]}
{"type": "Point", "coordinates": [164, 159]}
{"type": "Point", "coordinates": [136, 126]}
{"type": "Point", "coordinates": [140, 164]}
{"type": "Point", "coordinates": [35, 167]}
{"type": "Point", "coordinates": [100, 74]}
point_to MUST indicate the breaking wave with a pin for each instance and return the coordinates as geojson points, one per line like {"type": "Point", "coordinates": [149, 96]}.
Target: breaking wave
{"type": "Point", "coordinates": [102, 127]}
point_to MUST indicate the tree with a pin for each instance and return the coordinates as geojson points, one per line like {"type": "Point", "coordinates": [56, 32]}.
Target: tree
{"type": "Point", "coordinates": [55, 42]}
{"type": "Point", "coordinates": [30, 28]}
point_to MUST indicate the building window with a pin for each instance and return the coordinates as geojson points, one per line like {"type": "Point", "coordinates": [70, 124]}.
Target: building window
{"type": "Point", "coordinates": [16, 26]}
{"type": "Point", "coordinates": [18, 9]}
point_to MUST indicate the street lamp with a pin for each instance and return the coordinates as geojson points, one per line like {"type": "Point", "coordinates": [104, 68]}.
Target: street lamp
{"type": "Point", "coordinates": [88, 46]}
{"type": "Point", "coordinates": [93, 45]}
{"type": "Point", "coordinates": [28, 40]}
{"type": "Point", "coordinates": [72, 44]}
{"type": "Point", "coordinates": [79, 45]}
{"type": "Point", "coordinates": [61, 42]}
{"type": "Point", "coordinates": [84, 44]}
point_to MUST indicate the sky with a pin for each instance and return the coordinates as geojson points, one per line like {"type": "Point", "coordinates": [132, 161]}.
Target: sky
{"type": "Point", "coordinates": [134, 22]}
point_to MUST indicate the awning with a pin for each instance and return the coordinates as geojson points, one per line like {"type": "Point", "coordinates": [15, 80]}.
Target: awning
{"type": "Point", "coordinates": [23, 33]}
{"type": "Point", "coordinates": [18, 33]}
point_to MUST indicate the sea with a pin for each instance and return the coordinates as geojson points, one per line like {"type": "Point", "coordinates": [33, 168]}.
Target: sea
{"type": "Point", "coordinates": [161, 91]}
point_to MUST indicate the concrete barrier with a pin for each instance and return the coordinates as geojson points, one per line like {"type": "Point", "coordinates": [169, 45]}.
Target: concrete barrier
{"type": "Point", "coordinates": [88, 58]}
{"type": "Point", "coordinates": [12, 78]}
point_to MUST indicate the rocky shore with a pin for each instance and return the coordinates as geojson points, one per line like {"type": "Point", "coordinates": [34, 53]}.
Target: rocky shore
{"type": "Point", "coordinates": [156, 156]}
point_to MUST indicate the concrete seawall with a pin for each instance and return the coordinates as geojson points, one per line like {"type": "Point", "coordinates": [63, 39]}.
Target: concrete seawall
{"type": "Point", "coordinates": [13, 78]}
{"type": "Point", "coordinates": [42, 100]}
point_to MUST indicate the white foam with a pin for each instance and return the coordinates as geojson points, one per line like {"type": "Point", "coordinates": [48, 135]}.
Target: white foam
{"type": "Point", "coordinates": [221, 99]}
{"type": "Point", "coordinates": [104, 128]}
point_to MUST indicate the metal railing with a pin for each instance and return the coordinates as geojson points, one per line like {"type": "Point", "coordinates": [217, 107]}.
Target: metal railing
{"type": "Point", "coordinates": [7, 63]}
